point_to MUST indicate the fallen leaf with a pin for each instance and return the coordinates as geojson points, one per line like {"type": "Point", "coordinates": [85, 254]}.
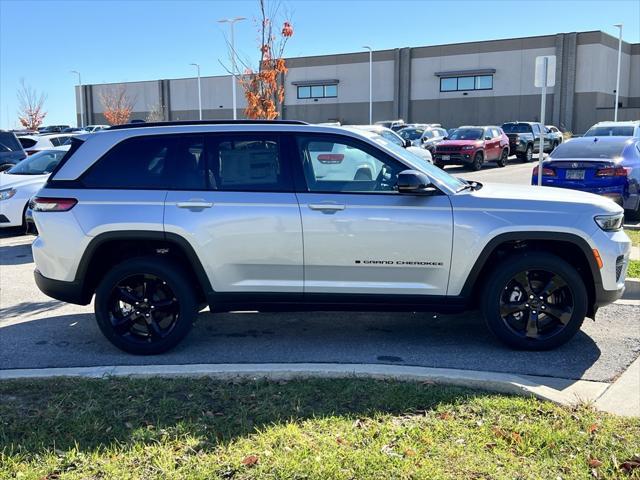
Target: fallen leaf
{"type": "Point", "coordinates": [358, 423]}
{"type": "Point", "coordinates": [409, 452]}
{"type": "Point", "coordinates": [388, 450]}
{"type": "Point", "coordinates": [631, 464]}
{"type": "Point", "coordinates": [444, 416]}
{"type": "Point", "coordinates": [250, 460]}
{"type": "Point", "coordinates": [592, 428]}
{"type": "Point", "coordinates": [516, 437]}
{"type": "Point", "coordinates": [341, 440]}
{"type": "Point", "coordinates": [594, 462]}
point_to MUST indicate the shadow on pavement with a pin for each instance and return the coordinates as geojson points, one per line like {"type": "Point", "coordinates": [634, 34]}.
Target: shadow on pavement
{"type": "Point", "coordinates": [15, 254]}
{"type": "Point", "coordinates": [418, 339]}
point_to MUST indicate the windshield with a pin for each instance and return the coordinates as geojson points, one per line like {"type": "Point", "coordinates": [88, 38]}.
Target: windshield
{"type": "Point", "coordinates": [516, 128]}
{"type": "Point", "coordinates": [466, 134]}
{"type": "Point", "coordinates": [590, 149]}
{"type": "Point", "coordinates": [610, 131]}
{"type": "Point", "coordinates": [39, 163]}
{"type": "Point", "coordinates": [411, 133]}
{"type": "Point", "coordinates": [9, 143]}
{"type": "Point", "coordinates": [438, 176]}
{"type": "Point", "coordinates": [392, 137]}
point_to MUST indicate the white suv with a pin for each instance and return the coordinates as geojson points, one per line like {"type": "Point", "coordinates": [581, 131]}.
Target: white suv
{"type": "Point", "coordinates": [160, 220]}
{"type": "Point", "coordinates": [615, 129]}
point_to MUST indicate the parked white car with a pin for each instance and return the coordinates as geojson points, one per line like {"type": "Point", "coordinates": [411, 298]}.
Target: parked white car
{"type": "Point", "coordinates": [392, 136]}
{"type": "Point", "coordinates": [94, 128]}
{"type": "Point", "coordinates": [21, 182]}
{"type": "Point", "coordinates": [615, 129]}
{"type": "Point", "coordinates": [37, 143]}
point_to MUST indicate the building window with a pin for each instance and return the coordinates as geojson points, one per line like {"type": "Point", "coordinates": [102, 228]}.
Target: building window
{"type": "Point", "coordinates": [458, 84]}
{"type": "Point", "coordinates": [318, 91]}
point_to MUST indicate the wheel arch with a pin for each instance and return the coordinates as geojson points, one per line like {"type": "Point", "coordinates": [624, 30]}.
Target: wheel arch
{"type": "Point", "coordinates": [109, 248]}
{"type": "Point", "coordinates": [570, 247]}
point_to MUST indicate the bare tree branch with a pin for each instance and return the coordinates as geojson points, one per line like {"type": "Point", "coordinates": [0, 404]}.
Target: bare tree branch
{"type": "Point", "coordinates": [30, 103]}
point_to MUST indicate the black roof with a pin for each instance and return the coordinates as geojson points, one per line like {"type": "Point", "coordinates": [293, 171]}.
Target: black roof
{"type": "Point", "coordinates": [207, 122]}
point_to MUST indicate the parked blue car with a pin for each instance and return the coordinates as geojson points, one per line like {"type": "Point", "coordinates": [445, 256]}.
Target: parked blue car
{"type": "Point", "coordinates": [608, 166]}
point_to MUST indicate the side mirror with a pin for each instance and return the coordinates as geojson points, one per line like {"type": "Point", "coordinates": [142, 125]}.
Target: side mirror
{"type": "Point", "coordinates": [445, 138]}
{"type": "Point", "coordinates": [413, 181]}
{"type": "Point", "coordinates": [407, 143]}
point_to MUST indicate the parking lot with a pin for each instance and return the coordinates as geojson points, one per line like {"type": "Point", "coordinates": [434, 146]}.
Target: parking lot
{"type": "Point", "coordinates": [38, 332]}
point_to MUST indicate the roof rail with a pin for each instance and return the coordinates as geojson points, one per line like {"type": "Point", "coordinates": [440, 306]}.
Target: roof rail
{"type": "Point", "coordinates": [206, 122]}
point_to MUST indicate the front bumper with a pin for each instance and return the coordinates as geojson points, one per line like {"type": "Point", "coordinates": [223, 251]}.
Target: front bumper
{"type": "Point", "coordinates": [69, 292]}
{"type": "Point", "coordinates": [455, 158]}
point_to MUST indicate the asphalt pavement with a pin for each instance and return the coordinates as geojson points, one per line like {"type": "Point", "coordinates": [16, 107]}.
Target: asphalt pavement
{"type": "Point", "coordinates": [38, 332]}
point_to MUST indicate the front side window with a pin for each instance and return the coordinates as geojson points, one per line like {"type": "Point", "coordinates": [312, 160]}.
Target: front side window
{"type": "Point", "coordinates": [152, 162]}
{"type": "Point", "coordinates": [247, 163]}
{"type": "Point", "coordinates": [335, 164]}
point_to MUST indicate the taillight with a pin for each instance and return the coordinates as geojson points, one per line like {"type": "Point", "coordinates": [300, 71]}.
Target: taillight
{"type": "Point", "coordinates": [613, 172]}
{"type": "Point", "coordinates": [48, 204]}
{"type": "Point", "coordinates": [546, 172]}
{"type": "Point", "coordinates": [31, 152]}
{"type": "Point", "coordinates": [330, 158]}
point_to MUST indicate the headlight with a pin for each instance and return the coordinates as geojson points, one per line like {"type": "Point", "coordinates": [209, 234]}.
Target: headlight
{"type": "Point", "coordinates": [610, 223]}
{"type": "Point", "coordinates": [7, 194]}
{"type": "Point", "coordinates": [468, 147]}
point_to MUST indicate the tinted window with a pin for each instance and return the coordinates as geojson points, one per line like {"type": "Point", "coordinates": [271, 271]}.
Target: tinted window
{"type": "Point", "coordinates": [9, 143]}
{"type": "Point", "coordinates": [317, 91]}
{"type": "Point", "coordinates": [536, 128]}
{"type": "Point", "coordinates": [467, 134]}
{"type": "Point", "coordinates": [484, 82]}
{"type": "Point", "coordinates": [343, 165]}
{"type": "Point", "coordinates": [516, 128]}
{"type": "Point", "coordinates": [411, 133]}
{"type": "Point", "coordinates": [247, 162]}
{"type": "Point", "coordinates": [392, 137]}
{"type": "Point", "coordinates": [448, 84]}
{"type": "Point", "coordinates": [27, 142]}
{"type": "Point", "coordinates": [304, 92]}
{"type": "Point", "coordinates": [155, 162]}
{"type": "Point", "coordinates": [590, 149]}
{"type": "Point", "coordinates": [612, 131]}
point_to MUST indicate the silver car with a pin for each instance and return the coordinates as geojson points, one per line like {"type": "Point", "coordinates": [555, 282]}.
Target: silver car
{"type": "Point", "coordinates": [158, 221]}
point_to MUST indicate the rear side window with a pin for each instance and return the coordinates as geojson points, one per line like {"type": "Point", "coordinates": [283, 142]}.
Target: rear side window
{"type": "Point", "coordinates": [9, 143]}
{"type": "Point", "coordinates": [27, 142]}
{"type": "Point", "coordinates": [154, 162]}
{"type": "Point", "coordinates": [251, 163]}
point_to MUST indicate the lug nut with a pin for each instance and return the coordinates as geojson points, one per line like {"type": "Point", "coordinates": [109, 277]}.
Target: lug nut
{"type": "Point", "coordinates": [530, 296]}
{"type": "Point", "coordinates": [534, 312]}
{"type": "Point", "coordinates": [146, 299]}
{"type": "Point", "coordinates": [543, 307]}
{"type": "Point", "coordinates": [152, 306]}
{"type": "Point", "coordinates": [526, 305]}
{"type": "Point", "coordinates": [137, 313]}
{"type": "Point", "coordinates": [541, 298]}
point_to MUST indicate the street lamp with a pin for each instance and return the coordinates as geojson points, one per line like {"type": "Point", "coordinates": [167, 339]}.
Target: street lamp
{"type": "Point", "coordinates": [232, 21]}
{"type": "Point", "coordinates": [81, 98]}
{"type": "Point", "coordinates": [615, 111]}
{"type": "Point", "coordinates": [199, 90]}
{"type": "Point", "coordinates": [370, 83]}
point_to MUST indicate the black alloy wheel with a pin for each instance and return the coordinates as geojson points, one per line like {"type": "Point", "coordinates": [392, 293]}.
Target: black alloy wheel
{"type": "Point", "coordinates": [504, 157]}
{"type": "Point", "coordinates": [534, 301]}
{"type": "Point", "coordinates": [146, 305]}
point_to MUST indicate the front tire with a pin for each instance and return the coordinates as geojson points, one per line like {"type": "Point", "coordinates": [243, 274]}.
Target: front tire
{"type": "Point", "coordinates": [145, 305]}
{"type": "Point", "coordinates": [527, 156]}
{"type": "Point", "coordinates": [534, 302]}
{"type": "Point", "coordinates": [477, 161]}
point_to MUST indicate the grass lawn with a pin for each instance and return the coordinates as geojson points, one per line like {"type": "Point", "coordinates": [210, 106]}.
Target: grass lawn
{"type": "Point", "coordinates": [319, 429]}
{"type": "Point", "coordinates": [634, 265]}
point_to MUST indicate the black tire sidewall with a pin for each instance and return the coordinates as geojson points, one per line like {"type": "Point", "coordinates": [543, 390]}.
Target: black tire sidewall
{"type": "Point", "coordinates": [477, 161]}
{"type": "Point", "coordinates": [177, 280]}
{"type": "Point", "coordinates": [525, 155]}
{"type": "Point", "coordinates": [503, 162]}
{"type": "Point", "coordinates": [505, 271]}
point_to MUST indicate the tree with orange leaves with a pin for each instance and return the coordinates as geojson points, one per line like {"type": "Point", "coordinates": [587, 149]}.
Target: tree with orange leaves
{"type": "Point", "coordinates": [117, 105]}
{"type": "Point", "coordinates": [264, 87]}
{"type": "Point", "coordinates": [30, 111]}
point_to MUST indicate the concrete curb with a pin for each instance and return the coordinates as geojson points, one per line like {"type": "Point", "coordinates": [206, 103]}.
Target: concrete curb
{"type": "Point", "coordinates": [560, 391]}
{"type": "Point", "coordinates": [623, 396]}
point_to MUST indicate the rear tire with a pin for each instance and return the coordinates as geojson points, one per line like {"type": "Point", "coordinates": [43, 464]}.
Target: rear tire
{"type": "Point", "coordinates": [503, 159]}
{"type": "Point", "coordinates": [527, 156]}
{"type": "Point", "coordinates": [536, 301]}
{"type": "Point", "coordinates": [478, 159]}
{"type": "Point", "coordinates": [145, 305]}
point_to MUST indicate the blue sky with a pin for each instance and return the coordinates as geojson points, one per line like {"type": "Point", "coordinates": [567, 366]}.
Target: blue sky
{"type": "Point", "coordinates": [112, 41]}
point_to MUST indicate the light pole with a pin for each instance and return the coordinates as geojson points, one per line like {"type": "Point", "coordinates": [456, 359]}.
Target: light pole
{"type": "Point", "coordinates": [370, 83]}
{"type": "Point", "coordinates": [199, 90]}
{"type": "Point", "coordinates": [615, 110]}
{"type": "Point", "coordinates": [81, 98]}
{"type": "Point", "coordinates": [232, 21]}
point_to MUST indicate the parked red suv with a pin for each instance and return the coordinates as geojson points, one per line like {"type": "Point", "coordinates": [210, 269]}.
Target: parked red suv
{"type": "Point", "coordinates": [473, 146]}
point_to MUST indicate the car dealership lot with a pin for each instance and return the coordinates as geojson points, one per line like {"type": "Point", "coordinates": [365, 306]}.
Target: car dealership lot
{"type": "Point", "coordinates": [38, 332]}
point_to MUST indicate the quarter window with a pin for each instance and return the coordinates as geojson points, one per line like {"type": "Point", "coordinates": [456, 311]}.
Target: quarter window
{"type": "Point", "coordinates": [317, 91]}
{"type": "Point", "coordinates": [152, 162]}
{"type": "Point", "coordinates": [342, 165]}
{"type": "Point", "coordinates": [477, 82]}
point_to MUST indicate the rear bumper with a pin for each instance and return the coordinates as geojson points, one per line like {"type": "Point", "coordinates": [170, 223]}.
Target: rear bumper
{"type": "Point", "coordinates": [69, 292]}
